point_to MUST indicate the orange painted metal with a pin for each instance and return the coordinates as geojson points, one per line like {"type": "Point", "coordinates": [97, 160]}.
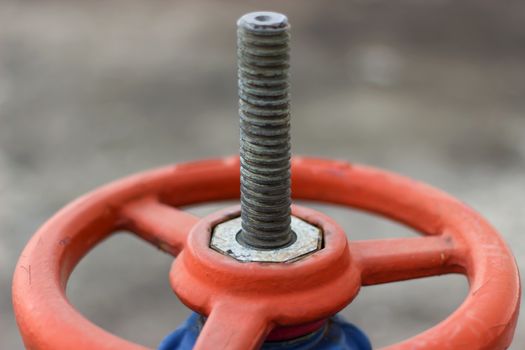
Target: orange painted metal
{"type": "Point", "coordinates": [274, 294]}
{"type": "Point", "coordinates": [244, 301]}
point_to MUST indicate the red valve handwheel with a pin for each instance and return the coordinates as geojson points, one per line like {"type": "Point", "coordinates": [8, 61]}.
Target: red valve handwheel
{"type": "Point", "coordinates": [245, 301]}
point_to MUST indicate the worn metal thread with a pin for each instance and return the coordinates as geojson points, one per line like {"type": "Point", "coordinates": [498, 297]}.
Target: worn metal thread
{"type": "Point", "coordinates": [264, 110]}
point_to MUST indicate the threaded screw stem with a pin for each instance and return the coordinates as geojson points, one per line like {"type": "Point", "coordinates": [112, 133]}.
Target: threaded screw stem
{"type": "Point", "coordinates": [264, 110]}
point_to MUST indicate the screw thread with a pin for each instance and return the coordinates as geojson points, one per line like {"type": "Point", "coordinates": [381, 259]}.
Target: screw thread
{"type": "Point", "coordinates": [264, 110]}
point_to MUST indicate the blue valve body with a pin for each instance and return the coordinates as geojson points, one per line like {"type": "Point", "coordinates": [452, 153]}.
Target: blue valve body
{"type": "Point", "coordinates": [337, 334]}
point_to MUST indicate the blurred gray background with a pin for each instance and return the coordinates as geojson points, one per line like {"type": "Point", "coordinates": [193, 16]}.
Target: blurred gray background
{"type": "Point", "coordinates": [91, 91]}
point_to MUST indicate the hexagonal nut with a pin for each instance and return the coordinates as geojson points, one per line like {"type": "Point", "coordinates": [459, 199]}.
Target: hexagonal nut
{"type": "Point", "coordinates": [309, 239]}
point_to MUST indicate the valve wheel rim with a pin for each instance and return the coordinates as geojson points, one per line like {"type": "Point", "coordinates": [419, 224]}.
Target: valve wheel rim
{"type": "Point", "coordinates": [456, 239]}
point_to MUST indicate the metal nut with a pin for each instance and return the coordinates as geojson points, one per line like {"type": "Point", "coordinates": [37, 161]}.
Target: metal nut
{"type": "Point", "coordinates": [309, 239]}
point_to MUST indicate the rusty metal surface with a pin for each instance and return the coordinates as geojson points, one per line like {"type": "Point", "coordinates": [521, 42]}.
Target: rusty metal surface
{"type": "Point", "coordinates": [307, 239]}
{"type": "Point", "coordinates": [264, 111]}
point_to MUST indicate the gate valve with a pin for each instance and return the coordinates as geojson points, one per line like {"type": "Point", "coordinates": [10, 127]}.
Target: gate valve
{"type": "Point", "coordinates": [267, 273]}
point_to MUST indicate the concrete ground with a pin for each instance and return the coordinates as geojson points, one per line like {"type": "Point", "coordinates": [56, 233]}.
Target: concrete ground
{"type": "Point", "coordinates": [92, 91]}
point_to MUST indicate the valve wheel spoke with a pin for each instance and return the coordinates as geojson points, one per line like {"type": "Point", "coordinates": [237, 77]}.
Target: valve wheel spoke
{"type": "Point", "coordinates": [399, 259]}
{"type": "Point", "coordinates": [164, 226]}
{"type": "Point", "coordinates": [234, 325]}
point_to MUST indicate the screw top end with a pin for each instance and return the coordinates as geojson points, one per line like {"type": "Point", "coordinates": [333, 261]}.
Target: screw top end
{"type": "Point", "coordinates": [263, 20]}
